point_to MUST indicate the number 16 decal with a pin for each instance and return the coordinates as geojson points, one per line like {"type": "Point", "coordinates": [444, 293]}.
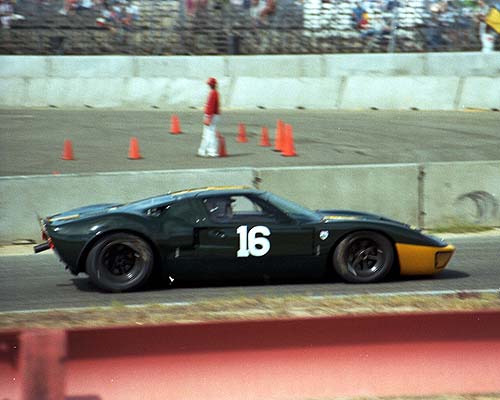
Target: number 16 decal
{"type": "Point", "coordinates": [250, 244]}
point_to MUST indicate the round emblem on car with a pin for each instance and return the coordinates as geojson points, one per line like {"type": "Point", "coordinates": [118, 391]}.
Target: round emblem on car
{"type": "Point", "coordinates": [323, 235]}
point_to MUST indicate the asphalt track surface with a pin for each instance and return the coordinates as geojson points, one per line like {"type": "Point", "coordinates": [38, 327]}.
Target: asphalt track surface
{"type": "Point", "coordinates": [35, 282]}
{"type": "Point", "coordinates": [31, 140]}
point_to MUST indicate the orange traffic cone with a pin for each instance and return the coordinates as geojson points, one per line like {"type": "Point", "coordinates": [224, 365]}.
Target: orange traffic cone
{"type": "Point", "coordinates": [222, 145]}
{"type": "Point", "coordinates": [133, 150]}
{"type": "Point", "coordinates": [278, 140]}
{"type": "Point", "coordinates": [175, 125]}
{"type": "Point", "coordinates": [67, 153]}
{"type": "Point", "coordinates": [264, 138]}
{"type": "Point", "coordinates": [288, 145]}
{"type": "Point", "coordinates": [242, 134]}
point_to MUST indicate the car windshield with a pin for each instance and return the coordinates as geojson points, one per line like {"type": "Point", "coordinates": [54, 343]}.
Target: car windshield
{"type": "Point", "coordinates": [145, 203]}
{"type": "Point", "coordinates": [290, 208]}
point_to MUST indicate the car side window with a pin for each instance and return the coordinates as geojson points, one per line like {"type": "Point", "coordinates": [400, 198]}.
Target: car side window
{"type": "Point", "coordinates": [243, 205]}
{"type": "Point", "coordinates": [219, 208]}
{"type": "Point", "coordinates": [237, 208]}
{"type": "Point", "coordinates": [181, 211]}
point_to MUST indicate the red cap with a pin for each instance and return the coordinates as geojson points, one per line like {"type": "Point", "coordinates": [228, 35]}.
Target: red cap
{"type": "Point", "coordinates": [212, 81]}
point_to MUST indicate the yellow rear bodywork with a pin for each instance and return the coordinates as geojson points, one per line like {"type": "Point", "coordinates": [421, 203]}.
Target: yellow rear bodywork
{"type": "Point", "coordinates": [423, 260]}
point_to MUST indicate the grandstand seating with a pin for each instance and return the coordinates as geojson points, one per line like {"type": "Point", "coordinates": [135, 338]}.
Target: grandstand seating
{"type": "Point", "coordinates": [165, 28]}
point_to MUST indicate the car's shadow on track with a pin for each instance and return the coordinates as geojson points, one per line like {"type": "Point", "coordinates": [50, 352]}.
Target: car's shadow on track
{"type": "Point", "coordinates": [85, 285]}
{"type": "Point", "coordinates": [445, 275]}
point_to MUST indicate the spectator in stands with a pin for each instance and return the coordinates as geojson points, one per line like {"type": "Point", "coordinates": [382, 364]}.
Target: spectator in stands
{"type": "Point", "coordinates": [487, 37]}
{"type": "Point", "coordinates": [240, 3]}
{"type": "Point", "coordinates": [390, 10]}
{"type": "Point", "coordinates": [125, 21]}
{"type": "Point", "coordinates": [359, 16]}
{"type": "Point", "coordinates": [482, 10]}
{"type": "Point", "coordinates": [209, 144]}
{"type": "Point", "coordinates": [69, 7]}
{"type": "Point", "coordinates": [6, 13]}
{"type": "Point", "coordinates": [108, 17]}
{"type": "Point", "coordinates": [434, 27]}
{"type": "Point", "coordinates": [116, 9]}
{"type": "Point", "coordinates": [489, 19]}
{"type": "Point", "coordinates": [493, 18]}
{"type": "Point", "coordinates": [364, 22]}
{"type": "Point", "coordinates": [133, 10]}
{"type": "Point", "coordinates": [391, 5]}
{"type": "Point", "coordinates": [118, 16]}
{"type": "Point", "coordinates": [192, 6]}
{"type": "Point", "coordinates": [453, 22]}
{"type": "Point", "coordinates": [269, 9]}
{"type": "Point", "coordinates": [376, 27]}
{"type": "Point", "coordinates": [86, 5]}
{"type": "Point", "coordinates": [256, 7]}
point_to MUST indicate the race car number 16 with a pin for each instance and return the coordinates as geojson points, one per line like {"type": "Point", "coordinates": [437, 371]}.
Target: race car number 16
{"type": "Point", "coordinates": [250, 244]}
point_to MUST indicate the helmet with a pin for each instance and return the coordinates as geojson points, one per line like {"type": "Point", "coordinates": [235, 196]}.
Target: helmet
{"type": "Point", "coordinates": [211, 82]}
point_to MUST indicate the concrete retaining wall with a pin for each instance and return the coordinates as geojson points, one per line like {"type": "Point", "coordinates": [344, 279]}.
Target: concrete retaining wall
{"type": "Point", "coordinates": [432, 195]}
{"type": "Point", "coordinates": [422, 92]}
{"type": "Point", "coordinates": [457, 192]}
{"type": "Point", "coordinates": [480, 92]}
{"type": "Point", "coordinates": [443, 81]}
{"type": "Point", "coordinates": [384, 189]}
{"type": "Point", "coordinates": [316, 93]}
{"type": "Point", "coordinates": [22, 198]}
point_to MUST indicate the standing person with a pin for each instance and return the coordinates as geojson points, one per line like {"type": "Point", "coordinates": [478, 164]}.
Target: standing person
{"type": "Point", "coordinates": [489, 27]}
{"type": "Point", "coordinates": [209, 144]}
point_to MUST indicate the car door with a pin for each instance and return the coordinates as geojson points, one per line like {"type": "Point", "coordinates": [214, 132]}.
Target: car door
{"type": "Point", "coordinates": [243, 237]}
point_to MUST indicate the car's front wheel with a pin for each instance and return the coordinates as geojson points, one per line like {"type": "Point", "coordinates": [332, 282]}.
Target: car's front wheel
{"type": "Point", "coordinates": [363, 257]}
{"type": "Point", "coordinates": [120, 262]}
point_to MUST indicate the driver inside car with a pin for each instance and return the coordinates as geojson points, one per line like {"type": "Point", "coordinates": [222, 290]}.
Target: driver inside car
{"type": "Point", "coordinates": [220, 208]}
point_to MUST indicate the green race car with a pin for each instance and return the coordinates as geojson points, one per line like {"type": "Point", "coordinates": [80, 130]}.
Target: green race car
{"type": "Point", "coordinates": [234, 233]}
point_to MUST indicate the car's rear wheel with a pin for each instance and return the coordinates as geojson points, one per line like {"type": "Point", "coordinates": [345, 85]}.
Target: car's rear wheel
{"type": "Point", "coordinates": [120, 262]}
{"type": "Point", "coordinates": [363, 257]}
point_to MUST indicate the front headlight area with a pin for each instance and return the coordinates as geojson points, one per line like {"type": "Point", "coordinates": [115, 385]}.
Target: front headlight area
{"type": "Point", "coordinates": [443, 257]}
{"type": "Point", "coordinates": [423, 260]}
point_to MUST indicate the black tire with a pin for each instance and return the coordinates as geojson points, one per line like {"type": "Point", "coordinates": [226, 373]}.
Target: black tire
{"type": "Point", "coordinates": [120, 262]}
{"type": "Point", "coordinates": [363, 257]}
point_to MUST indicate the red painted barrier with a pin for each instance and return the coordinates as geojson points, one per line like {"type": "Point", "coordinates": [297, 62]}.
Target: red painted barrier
{"type": "Point", "coordinates": [41, 364]}
{"type": "Point", "coordinates": [9, 376]}
{"type": "Point", "coordinates": [371, 355]}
